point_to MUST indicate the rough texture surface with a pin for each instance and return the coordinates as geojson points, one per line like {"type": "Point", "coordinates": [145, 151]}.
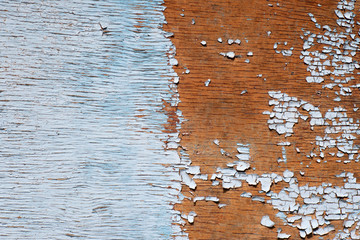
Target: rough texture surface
{"type": "Point", "coordinates": [226, 100]}
{"type": "Point", "coordinates": [84, 115]}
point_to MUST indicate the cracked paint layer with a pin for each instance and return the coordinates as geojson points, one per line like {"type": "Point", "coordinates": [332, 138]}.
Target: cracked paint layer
{"type": "Point", "coordinates": [312, 210]}
{"type": "Point", "coordinates": [309, 209]}
{"type": "Point", "coordinates": [339, 133]}
{"type": "Point", "coordinates": [85, 117]}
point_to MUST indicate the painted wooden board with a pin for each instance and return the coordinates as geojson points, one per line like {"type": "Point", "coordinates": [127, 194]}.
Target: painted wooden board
{"type": "Point", "coordinates": [83, 122]}
{"type": "Point", "coordinates": [269, 92]}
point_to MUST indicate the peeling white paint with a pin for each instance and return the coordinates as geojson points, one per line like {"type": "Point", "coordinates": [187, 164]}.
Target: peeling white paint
{"type": "Point", "coordinates": [285, 52]}
{"type": "Point", "coordinates": [191, 217]}
{"type": "Point", "coordinates": [286, 113]}
{"type": "Point", "coordinates": [187, 180]}
{"type": "Point", "coordinates": [242, 166]}
{"type": "Point", "coordinates": [266, 221]}
{"type": "Point", "coordinates": [310, 209]}
{"type": "Point", "coordinates": [283, 235]}
{"type": "Point", "coordinates": [335, 61]}
{"type": "Point", "coordinates": [173, 62]}
{"type": "Point", "coordinates": [230, 55]}
{"type": "Point", "coordinates": [243, 92]}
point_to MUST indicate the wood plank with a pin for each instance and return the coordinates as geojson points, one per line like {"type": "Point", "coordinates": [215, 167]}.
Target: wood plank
{"type": "Point", "coordinates": [220, 110]}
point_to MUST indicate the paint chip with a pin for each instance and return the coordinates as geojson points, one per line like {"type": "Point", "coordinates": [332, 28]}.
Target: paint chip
{"type": "Point", "coordinates": [266, 221]}
{"type": "Point", "coordinates": [191, 216]}
{"type": "Point", "coordinates": [283, 235]}
{"type": "Point", "coordinates": [242, 166]}
{"type": "Point", "coordinates": [173, 62]}
{"type": "Point", "coordinates": [230, 55]}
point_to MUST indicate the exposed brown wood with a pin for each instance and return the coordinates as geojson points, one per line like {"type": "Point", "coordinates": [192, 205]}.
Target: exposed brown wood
{"type": "Point", "coordinates": [220, 112]}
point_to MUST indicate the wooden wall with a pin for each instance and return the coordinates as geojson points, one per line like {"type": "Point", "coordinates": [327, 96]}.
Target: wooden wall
{"type": "Point", "coordinates": [230, 109]}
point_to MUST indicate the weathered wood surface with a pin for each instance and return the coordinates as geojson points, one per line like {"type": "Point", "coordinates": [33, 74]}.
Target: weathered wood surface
{"type": "Point", "coordinates": [82, 121]}
{"type": "Point", "coordinates": [220, 111]}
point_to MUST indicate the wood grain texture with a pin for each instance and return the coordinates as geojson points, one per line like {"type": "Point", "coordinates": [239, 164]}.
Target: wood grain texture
{"type": "Point", "coordinates": [82, 122]}
{"type": "Point", "coordinates": [221, 112]}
